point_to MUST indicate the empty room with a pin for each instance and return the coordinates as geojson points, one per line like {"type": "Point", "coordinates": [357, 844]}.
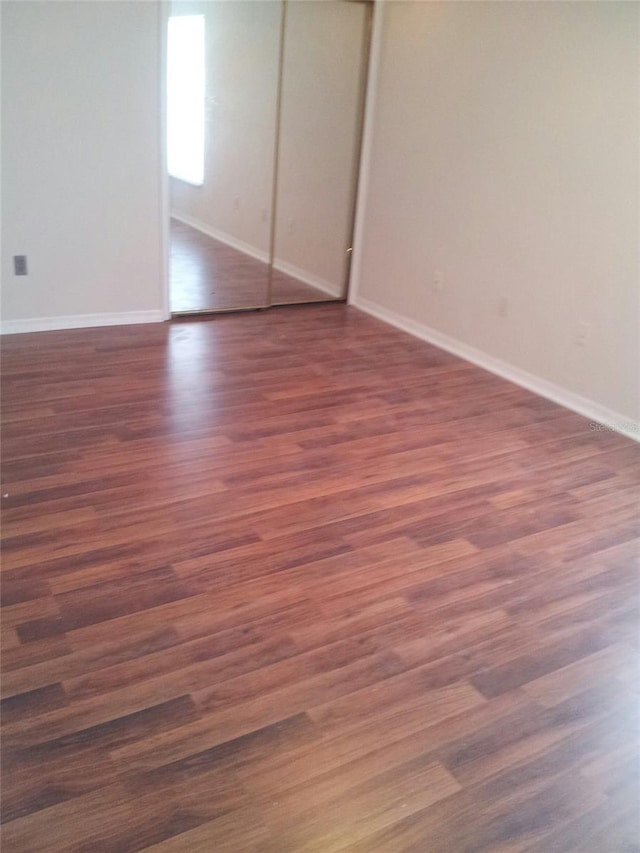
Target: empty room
{"type": "Point", "coordinates": [320, 495]}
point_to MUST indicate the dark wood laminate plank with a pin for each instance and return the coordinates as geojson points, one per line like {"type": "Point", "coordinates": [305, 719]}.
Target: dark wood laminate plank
{"type": "Point", "coordinates": [505, 813]}
{"type": "Point", "coordinates": [243, 829]}
{"type": "Point", "coordinates": [244, 717]}
{"type": "Point", "coordinates": [295, 581]}
{"type": "Point", "coordinates": [33, 702]}
{"type": "Point", "coordinates": [61, 768]}
{"type": "Point", "coordinates": [70, 663]}
{"type": "Point", "coordinates": [386, 740]}
{"type": "Point", "coordinates": [363, 807]}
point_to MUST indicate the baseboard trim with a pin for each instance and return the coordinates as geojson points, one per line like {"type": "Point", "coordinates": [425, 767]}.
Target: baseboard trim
{"type": "Point", "coordinates": [80, 321]}
{"type": "Point", "coordinates": [307, 278]}
{"type": "Point", "coordinates": [282, 266]}
{"type": "Point", "coordinates": [600, 416]}
{"type": "Point", "coordinates": [222, 236]}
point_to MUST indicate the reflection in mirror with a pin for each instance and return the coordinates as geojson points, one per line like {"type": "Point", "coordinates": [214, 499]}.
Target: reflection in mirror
{"type": "Point", "coordinates": [221, 208]}
{"type": "Point", "coordinates": [322, 91]}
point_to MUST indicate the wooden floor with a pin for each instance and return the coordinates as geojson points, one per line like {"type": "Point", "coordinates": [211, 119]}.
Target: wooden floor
{"type": "Point", "coordinates": [294, 581]}
{"type": "Point", "coordinates": [207, 275]}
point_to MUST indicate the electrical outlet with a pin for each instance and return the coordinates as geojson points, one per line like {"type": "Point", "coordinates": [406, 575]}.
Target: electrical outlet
{"type": "Point", "coordinates": [438, 281]}
{"type": "Point", "coordinates": [291, 226]}
{"type": "Point", "coordinates": [583, 331]}
{"type": "Point", "coordinates": [264, 216]}
{"type": "Point", "coordinates": [236, 203]}
{"type": "Point", "coordinates": [20, 265]}
{"type": "Point", "coordinates": [503, 307]}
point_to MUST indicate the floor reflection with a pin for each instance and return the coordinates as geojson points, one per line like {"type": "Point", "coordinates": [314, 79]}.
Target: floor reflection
{"type": "Point", "coordinates": [206, 274]}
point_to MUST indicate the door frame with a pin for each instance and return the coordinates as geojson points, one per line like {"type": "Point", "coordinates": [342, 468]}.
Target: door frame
{"type": "Point", "coordinates": [165, 213]}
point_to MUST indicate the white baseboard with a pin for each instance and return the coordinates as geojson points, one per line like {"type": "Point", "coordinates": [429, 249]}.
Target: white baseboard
{"type": "Point", "coordinates": [282, 266]}
{"type": "Point", "coordinates": [600, 416]}
{"type": "Point", "coordinates": [308, 278]}
{"type": "Point", "coordinates": [80, 321]}
{"type": "Point", "coordinates": [222, 236]}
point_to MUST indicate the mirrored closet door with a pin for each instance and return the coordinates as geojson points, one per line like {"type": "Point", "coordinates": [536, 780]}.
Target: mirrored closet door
{"type": "Point", "coordinates": [264, 115]}
{"type": "Point", "coordinates": [222, 85]}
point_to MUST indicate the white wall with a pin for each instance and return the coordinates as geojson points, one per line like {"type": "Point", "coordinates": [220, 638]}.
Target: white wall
{"type": "Point", "coordinates": [504, 156]}
{"type": "Point", "coordinates": [319, 139]}
{"type": "Point", "coordinates": [241, 53]}
{"type": "Point", "coordinates": [81, 163]}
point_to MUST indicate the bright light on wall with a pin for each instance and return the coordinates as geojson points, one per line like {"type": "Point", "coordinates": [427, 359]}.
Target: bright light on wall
{"type": "Point", "coordinates": [185, 98]}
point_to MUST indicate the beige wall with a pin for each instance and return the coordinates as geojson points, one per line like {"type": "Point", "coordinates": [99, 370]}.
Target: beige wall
{"type": "Point", "coordinates": [241, 54]}
{"type": "Point", "coordinates": [81, 162]}
{"type": "Point", "coordinates": [504, 163]}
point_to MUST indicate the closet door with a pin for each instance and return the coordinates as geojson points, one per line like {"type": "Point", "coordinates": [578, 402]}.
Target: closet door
{"type": "Point", "coordinates": [221, 220]}
{"type": "Point", "coordinates": [323, 79]}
